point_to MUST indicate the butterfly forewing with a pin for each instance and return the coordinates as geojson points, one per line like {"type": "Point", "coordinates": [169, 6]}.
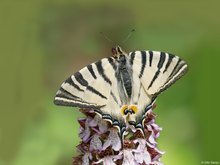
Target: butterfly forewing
{"type": "Point", "coordinates": [86, 87]}
{"type": "Point", "coordinates": [94, 86]}
{"type": "Point", "coordinates": [157, 70]}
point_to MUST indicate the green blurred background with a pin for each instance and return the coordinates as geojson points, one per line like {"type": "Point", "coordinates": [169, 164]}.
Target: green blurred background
{"type": "Point", "coordinates": [43, 42]}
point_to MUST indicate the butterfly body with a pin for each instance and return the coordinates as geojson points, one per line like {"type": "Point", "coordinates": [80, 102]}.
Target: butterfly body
{"type": "Point", "coordinates": [122, 88]}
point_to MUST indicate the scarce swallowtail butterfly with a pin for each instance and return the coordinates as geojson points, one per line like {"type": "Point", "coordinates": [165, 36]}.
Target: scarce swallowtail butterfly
{"type": "Point", "coordinates": [122, 88]}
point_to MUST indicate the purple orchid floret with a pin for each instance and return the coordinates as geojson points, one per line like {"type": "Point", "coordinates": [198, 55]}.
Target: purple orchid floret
{"type": "Point", "coordinates": [129, 158]}
{"type": "Point", "coordinates": [113, 140]}
{"type": "Point", "coordinates": [86, 157]}
{"type": "Point", "coordinates": [85, 133]}
{"type": "Point", "coordinates": [142, 156]}
{"type": "Point", "coordinates": [101, 143]}
{"type": "Point", "coordinates": [95, 143]}
{"type": "Point", "coordinates": [109, 160]}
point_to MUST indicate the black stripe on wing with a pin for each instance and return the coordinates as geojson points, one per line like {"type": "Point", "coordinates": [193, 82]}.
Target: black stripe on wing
{"type": "Point", "coordinates": [132, 58]}
{"type": "Point", "coordinates": [101, 72]}
{"type": "Point", "coordinates": [173, 77]}
{"type": "Point", "coordinates": [170, 58]}
{"type": "Point", "coordinates": [150, 57]}
{"type": "Point", "coordinates": [161, 61]}
{"type": "Point", "coordinates": [70, 81]}
{"type": "Point", "coordinates": [113, 96]}
{"type": "Point", "coordinates": [80, 79]}
{"type": "Point", "coordinates": [159, 66]}
{"type": "Point", "coordinates": [96, 92]}
{"type": "Point", "coordinates": [65, 98]}
{"type": "Point", "coordinates": [83, 82]}
{"type": "Point", "coordinates": [74, 103]}
{"type": "Point", "coordinates": [89, 67]}
{"type": "Point", "coordinates": [62, 93]}
{"type": "Point", "coordinates": [177, 67]}
{"type": "Point", "coordinates": [143, 61]}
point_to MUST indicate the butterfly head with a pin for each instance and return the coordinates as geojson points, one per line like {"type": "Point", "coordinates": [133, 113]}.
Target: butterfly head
{"type": "Point", "coordinates": [117, 51]}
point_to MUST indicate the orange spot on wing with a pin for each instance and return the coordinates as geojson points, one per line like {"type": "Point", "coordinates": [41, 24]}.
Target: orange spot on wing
{"type": "Point", "coordinates": [123, 108]}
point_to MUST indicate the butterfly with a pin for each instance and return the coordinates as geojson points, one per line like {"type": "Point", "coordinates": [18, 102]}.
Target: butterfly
{"type": "Point", "coordinates": [122, 88]}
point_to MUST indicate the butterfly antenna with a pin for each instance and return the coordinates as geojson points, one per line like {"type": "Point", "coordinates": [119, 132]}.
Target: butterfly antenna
{"type": "Point", "coordinates": [107, 38]}
{"type": "Point", "coordinates": [128, 36]}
